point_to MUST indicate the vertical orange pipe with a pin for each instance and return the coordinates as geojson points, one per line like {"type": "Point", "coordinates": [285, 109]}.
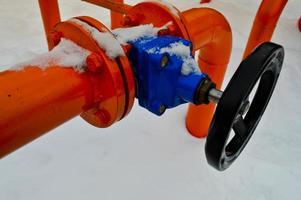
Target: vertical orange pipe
{"type": "Point", "coordinates": [116, 17]}
{"type": "Point", "coordinates": [35, 101]}
{"type": "Point", "coordinates": [265, 23]}
{"type": "Point", "coordinates": [51, 16]}
{"type": "Point", "coordinates": [211, 34]}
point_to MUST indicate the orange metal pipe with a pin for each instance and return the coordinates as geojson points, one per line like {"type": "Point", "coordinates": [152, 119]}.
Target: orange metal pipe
{"type": "Point", "coordinates": [35, 101]}
{"type": "Point", "coordinates": [214, 40]}
{"type": "Point", "coordinates": [116, 17]}
{"type": "Point", "coordinates": [265, 23]}
{"type": "Point", "coordinates": [51, 16]}
{"type": "Point", "coordinates": [117, 7]}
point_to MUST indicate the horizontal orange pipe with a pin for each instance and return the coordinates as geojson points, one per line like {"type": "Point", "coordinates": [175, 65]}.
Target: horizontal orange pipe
{"type": "Point", "coordinates": [265, 23]}
{"type": "Point", "coordinates": [51, 16]}
{"type": "Point", "coordinates": [35, 101]}
{"type": "Point", "coordinates": [214, 40]}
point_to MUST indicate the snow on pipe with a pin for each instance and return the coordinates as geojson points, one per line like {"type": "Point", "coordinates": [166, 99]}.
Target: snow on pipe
{"type": "Point", "coordinates": [213, 39]}
{"type": "Point", "coordinates": [74, 78]}
{"type": "Point", "coordinates": [264, 24]}
{"type": "Point", "coordinates": [41, 94]}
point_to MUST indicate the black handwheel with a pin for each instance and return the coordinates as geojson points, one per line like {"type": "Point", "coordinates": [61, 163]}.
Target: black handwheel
{"type": "Point", "coordinates": [235, 112]}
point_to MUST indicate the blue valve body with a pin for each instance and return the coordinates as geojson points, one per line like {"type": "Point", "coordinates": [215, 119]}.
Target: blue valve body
{"type": "Point", "coordinates": [160, 85]}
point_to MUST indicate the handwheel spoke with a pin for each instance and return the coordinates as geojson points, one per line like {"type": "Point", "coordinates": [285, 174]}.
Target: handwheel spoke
{"type": "Point", "coordinates": [240, 128]}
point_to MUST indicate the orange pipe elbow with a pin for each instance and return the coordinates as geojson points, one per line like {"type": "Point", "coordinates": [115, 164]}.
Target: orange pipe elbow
{"type": "Point", "coordinates": [213, 38]}
{"type": "Point", "coordinates": [51, 16]}
{"type": "Point", "coordinates": [265, 23]}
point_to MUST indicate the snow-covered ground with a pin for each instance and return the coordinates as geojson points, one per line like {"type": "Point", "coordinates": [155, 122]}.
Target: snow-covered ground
{"type": "Point", "coordinates": [145, 157]}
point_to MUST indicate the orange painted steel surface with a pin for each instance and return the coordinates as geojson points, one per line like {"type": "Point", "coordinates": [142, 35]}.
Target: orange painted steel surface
{"type": "Point", "coordinates": [34, 101]}
{"type": "Point", "coordinates": [205, 1]}
{"type": "Point", "coordinates": [117, 17]}
{"type": "Point", "coordinates": [117, 7]}
{"type": "Point", "coordinates": [211, 34]}
{"type": "Point", "coordinates": [51, 16]}
{"type": "Point", "coordinates": [159, 15]}
{"type": "Point", "coordinates": [265, 23]}
{"type": "Point", "coordinates": [104, 96]}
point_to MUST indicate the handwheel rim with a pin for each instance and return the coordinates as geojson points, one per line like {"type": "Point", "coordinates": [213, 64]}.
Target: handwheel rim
{"type": "Point", "coordinates": [266, 62]}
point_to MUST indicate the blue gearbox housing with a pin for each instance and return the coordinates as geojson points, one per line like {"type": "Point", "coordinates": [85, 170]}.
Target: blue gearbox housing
{"type": "Point", "coordinates": [160, 83]}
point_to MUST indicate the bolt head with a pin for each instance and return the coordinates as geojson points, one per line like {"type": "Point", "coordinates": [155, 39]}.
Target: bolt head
{"type": "Point", "coordinates": [94, 62]}
{"type": "Point", "coordinates": [169, 30]}
{"type": "Point", "coordinates": [163, 32]}
{"type": "Point", "coordinates": [164, 61]}
{"type": "Point", "coordinates": [162, 109]}
{"type": "Point", "coordinates": [130, 20]}
{"type": "Point", "coordinates": [172, 29]}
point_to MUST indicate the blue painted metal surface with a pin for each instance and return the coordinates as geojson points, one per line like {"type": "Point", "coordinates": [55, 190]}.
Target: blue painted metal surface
{"type": "Point", "coordinates": [160, 84]}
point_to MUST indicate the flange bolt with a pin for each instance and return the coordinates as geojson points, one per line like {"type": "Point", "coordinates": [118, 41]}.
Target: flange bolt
{"type": "Point", "coordinates": [94, 62]}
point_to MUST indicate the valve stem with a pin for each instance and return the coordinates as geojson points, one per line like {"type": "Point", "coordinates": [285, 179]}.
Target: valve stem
{"type": "Point", "coordinates": [215, 95]}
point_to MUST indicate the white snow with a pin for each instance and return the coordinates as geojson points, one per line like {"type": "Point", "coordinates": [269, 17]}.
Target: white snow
{"type": "Point", "coordinates": [104, 39]}
{"type": "Point", "coordinates": [183, 52]}
{"type": "Point", "coordinates": [131, 34]}
{"type": "Point", "coordinates": [145, 157]}
{"type": "Point", "coordinates": [65, 54]}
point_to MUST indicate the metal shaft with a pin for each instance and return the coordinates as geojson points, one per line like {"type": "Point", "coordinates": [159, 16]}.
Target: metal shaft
{"type": "Point", "coordinates": [215, 95]}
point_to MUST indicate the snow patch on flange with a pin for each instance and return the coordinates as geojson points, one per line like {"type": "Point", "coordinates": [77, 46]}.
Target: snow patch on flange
{"type": "Point", "coordinates": [104, 39]}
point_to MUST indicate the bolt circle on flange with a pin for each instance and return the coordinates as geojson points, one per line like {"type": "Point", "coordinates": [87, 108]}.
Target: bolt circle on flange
{"type": "Point", "coordinates": [113, 82]}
